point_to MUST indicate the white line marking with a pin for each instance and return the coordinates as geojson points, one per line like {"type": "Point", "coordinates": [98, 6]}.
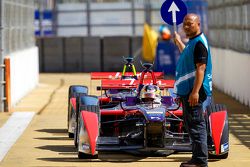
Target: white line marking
{"type": "Point", "coordinates": [12, 130]}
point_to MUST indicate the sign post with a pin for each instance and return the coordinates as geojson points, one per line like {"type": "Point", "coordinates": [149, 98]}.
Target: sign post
{"type": "Point", "coordinates": [173, 12]}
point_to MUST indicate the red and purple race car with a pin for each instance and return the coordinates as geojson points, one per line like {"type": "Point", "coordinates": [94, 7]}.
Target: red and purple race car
{"type": "Point", "coordinates": [139, 114]}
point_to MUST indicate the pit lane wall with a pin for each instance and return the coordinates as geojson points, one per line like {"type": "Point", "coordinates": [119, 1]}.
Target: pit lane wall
{"type": "Point", "coordinates": [229, 34]}
{"type": "Point", "coordinates": [24, 72]}
{"type": "Point", "coordinates": [231, 73]}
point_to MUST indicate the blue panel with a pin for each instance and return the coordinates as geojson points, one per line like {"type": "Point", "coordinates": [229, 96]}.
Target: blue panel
{"type": "Point", "coordinates": [166, 56]}
{"type": "Point", "coordinates": [37, 20]}
{"type": "Point", "coordinates": [37, 14]}
{"type": "Point", "coordinates": [46, 18]}
{"type": "Point", "coordinates": [48, 33]}
{"type": "Point", "coordinates": [47, 14]}
{"type": "Point", "coordinates": [37, 33]}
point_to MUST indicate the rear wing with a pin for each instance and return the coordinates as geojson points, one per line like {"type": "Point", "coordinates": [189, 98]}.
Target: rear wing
{"type": "Point", "coordinates": [129, 84]}
{"type": "Point", "coordinates": [118, 75]}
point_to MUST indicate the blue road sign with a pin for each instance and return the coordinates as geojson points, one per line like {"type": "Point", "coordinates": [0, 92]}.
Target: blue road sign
{"type": "Point", "coordinates": [173, 11]}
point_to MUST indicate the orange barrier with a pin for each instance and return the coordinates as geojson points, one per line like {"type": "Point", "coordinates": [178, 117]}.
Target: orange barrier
{"type": "Point", "coordinates": [7, 102]}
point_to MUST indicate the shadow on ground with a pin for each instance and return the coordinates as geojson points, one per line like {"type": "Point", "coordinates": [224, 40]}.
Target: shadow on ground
{"type": "Point", "coordinates": [114, 156]}
{"type": "Point", "coordinates": [54, 131]}
{"type": "Point", "coordinates": [239, 117]}
{"type": "Point", "coordinates": [70, 153]}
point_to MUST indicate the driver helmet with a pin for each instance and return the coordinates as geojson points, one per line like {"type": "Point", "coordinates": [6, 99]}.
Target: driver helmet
{"type": "Point", "coordinates": [150, 93]}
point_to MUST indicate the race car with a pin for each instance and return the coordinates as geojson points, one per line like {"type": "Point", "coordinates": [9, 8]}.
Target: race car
{"type": "Point", "coordinates": [147, 121]}
{"type": "Point", "coordinates": [78, 90]}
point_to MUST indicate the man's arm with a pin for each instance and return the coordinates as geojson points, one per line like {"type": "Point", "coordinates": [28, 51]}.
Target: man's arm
{"type": "Point", "coordinates": [199, 76]}
{"type": "Point", "coordinates": [178, 42]}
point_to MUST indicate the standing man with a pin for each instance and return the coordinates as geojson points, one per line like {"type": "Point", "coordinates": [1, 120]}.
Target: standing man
{"type": "Point", "coordinates": [194, 87]}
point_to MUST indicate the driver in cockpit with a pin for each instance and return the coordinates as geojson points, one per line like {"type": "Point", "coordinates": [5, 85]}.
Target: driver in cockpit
{"type": "Point", "coordinates": [150, 94]}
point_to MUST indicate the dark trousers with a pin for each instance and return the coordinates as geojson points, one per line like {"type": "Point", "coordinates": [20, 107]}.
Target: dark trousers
{"type": "Point", "coordinates": [195, 125]}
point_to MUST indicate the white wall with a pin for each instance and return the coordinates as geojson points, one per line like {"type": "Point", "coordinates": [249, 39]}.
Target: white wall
{"type": "Point", "coordinates": [231, 73]}
{"type": "Point", "coordinates": [24, 72]}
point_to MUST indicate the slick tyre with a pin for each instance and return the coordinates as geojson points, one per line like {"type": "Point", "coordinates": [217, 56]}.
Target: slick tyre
{"type": "Point", "coordinates": [90, 104]}
{"type": "Point", "coordinates": [87, 156]}
{"type": "Point", "coordinates": [73, 91]}
{"type": "Point", "coordinates": [71, 135]}
{"type": "Point", "coordinates": [212, 156]}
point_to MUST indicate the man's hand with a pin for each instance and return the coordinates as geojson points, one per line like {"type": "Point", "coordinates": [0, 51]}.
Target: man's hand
{"type": "Point", "coordinates": [177, 38]}
{"type": "Point", "coordinates": [193, 99]}
{"type": "Point", "coordinates": [178, 42]}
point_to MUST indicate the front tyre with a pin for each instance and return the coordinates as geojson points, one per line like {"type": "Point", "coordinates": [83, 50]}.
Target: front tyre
{"type": "Point", "coordinates": [71, 135]}
{"type": "Point", "coordinates": [216, 110]}
{"type": "Point", "coordinates": [87, 156]}
{"type": "Point", "coordinates": [212, 156]}
{"type": "Point", "coordinates": [73, 92]}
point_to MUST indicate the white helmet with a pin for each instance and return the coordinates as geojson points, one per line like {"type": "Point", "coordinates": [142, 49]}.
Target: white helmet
{"type": "Point", "coordinates": [150, 93]}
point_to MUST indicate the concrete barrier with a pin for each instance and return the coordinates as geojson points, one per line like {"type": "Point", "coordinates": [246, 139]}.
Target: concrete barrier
{"type": "Point", "coordinates": [91, 47]}
{"type": "Point", "coordinates": [73, 54]}
{"type": "Point", "coordinates": [39, 44]}
{"type": "Point", "coordinates": [24, 72]}
{"type": "Point", "coordinates": [53, 54]}
{"type": "Point", "coordinates": [87, 54]}
{"type": "Point", "coordinates": [114, 48]}
{"type": "Point", "coordinates": [231, 73]}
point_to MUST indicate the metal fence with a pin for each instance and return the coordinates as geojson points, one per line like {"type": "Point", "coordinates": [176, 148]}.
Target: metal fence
{"type": "Point", "coordinates": [229, 24]}
{"type": "Point", "coordinates": [106, 18]}
{"type": "Point", "coordinates": [109, 17]}
{"type": "Point", "coordinates": [17, 25]}
{"type": "Point", "coordinates": [17, 33]}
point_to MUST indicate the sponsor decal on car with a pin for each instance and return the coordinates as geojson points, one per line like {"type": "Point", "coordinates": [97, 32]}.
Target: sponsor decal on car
{"type": "Point", "coordinates": [224, 147]}
{"type": "Point", "coordinates": [155, 118]}
{"type": "Point", "coordinates": [85, 147]}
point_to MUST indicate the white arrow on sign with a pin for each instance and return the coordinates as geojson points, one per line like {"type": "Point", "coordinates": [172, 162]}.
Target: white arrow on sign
{"type": "Point", "coordinates": [173, 8]}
